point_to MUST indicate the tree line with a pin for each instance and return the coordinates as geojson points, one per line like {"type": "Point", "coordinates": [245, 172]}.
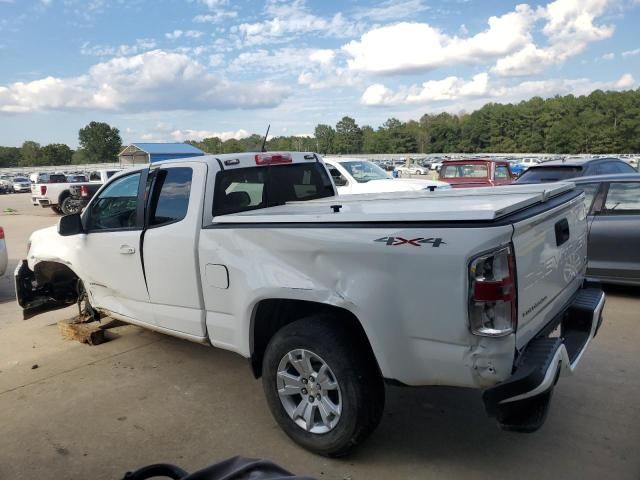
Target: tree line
{"type": "Point", "coordinates": [601, 122]}
{"type": "Point", "coordinates": [99, 142]}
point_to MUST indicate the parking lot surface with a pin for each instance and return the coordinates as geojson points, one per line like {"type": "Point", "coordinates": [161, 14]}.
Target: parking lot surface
{"type": "Point", "coordinates": [68, 410]}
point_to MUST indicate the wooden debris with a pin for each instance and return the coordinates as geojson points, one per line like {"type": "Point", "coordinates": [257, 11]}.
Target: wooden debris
{"type": "Point", "coordinates": [75, 329]}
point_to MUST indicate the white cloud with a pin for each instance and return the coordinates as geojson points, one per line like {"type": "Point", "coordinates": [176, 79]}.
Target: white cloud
{"type": "Point", "coordinates": [626, 81]}
{"type": "Point", "coordinates": [215, 17]}
{"type": "Point", "coordinates": [566, 26]}
{"type": "Point", "coordinates": [292, 19]}
{"type": "Point", "coordinates": [322, 56]}
{"type": "Point", "coordinates": [450, 88]}
{"type": "Point", "coordinates": [152, 81]}
{"type": "Point", "coordinates": [569, 28]}
{"type": "Point", "coordinates": [286, 60]}
{"type": "Point", "coordinates": [484, 88]}
{"type": "Point", "coordinates": [213, 4]}
{"type": "Point", "coordinates": [608, 56]}
{"type": "Point", "coordinates": [391, 10]}
{"type": "Point", "coordinates": [174, 35]}
{"type": "Point", "coordinates": [406, 47]}
{"type": "Point", "coordinates": [182, 135]}
{"type": "Point", "coordinates": [140, 45]}
{"type": "Point", "coordinates": [180, 33]}
{"type": "Point", "coordinates": [630, 53]}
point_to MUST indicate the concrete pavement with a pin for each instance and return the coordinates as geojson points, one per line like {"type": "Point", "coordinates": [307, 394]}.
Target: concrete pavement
{"type": "Point", "coordinates": [96, 412]}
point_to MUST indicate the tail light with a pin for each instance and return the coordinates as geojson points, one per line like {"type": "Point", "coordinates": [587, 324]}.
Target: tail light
{"type": "Point", "coordinates": [493, 294]}
{"type": "Point", "coordinates": [84, 191]}
{"type": "Point", "coordinates": [43, 190]}
{"type": "Point", "coordinates": [273, 158]}
{"type": "Point", "coordinates": [1, 233]}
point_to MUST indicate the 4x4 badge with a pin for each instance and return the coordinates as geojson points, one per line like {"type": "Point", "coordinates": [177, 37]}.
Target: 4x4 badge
{"type": "Point", "coordinates": [416, 242]}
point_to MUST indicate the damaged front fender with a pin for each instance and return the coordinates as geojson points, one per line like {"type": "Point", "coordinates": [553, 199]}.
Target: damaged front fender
{"type": "Point", "coordinates": [50, 286]}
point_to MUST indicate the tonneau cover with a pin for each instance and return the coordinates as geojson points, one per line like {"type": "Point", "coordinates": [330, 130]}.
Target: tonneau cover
{"type": "Point", "coordinates": [472, 204]}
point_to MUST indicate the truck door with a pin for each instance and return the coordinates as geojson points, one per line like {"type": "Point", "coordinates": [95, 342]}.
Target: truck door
{"type": "Point", "coordinates": [112, 268]}
{"type": "Point", "coordinates": [170, 247]}
{"type": "Point", "coordinates": [614, 238]}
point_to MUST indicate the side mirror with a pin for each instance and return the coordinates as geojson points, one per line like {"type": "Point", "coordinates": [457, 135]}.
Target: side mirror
{"type": "Point", "coordinates": [70, 225]}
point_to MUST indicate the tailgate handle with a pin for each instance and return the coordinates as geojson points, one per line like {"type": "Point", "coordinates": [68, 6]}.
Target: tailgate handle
{"type": "Point", "coordinates": [562, 231]}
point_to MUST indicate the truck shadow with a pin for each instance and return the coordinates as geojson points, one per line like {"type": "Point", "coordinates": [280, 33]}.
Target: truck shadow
{"type": "Point", "coordinates": [627, 291]}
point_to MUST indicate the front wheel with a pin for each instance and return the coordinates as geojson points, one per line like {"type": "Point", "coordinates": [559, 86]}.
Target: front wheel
{"type": "Point", "coordinates": [323, 386]}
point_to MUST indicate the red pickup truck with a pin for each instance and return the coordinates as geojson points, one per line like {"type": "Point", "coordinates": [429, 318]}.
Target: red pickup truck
{"type": "Point", "coordinates": [476, 173]}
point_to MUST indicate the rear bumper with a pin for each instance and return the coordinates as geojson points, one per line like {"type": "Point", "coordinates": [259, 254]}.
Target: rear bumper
{"type": "Point", "coordinates": [521, 402]}
{"type": "Point", "coordinates": [44, 202]}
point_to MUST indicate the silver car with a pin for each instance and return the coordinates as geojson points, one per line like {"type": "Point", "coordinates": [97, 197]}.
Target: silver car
{"type": "Point", "coordinates": [3, 253]}
{"type": "Point", "coordinates": [613, 208]}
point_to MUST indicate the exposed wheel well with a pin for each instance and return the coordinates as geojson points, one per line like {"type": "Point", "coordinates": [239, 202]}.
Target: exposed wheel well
{"type": "Point", "coordinates": [60, 280]}
{"type": "Point", "coordinates": [273, 314]}
{"type": "Point", "coordinates": [64, 194]}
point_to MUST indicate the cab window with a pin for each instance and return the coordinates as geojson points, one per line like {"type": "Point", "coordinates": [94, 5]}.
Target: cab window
{"type": "Point", "coordinates": [170, 199]}
{"type": "Point", "coordinates": [243, 189]}
{"type": "Point", "coordinates": [623, 198]}
{"type": "Point", "coordinates": [116, 207]}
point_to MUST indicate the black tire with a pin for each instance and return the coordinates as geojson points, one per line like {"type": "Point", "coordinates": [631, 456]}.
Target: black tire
{"type": "Point", "coordinates": [69, 207]}
{"type": "Point", "coordinates": [360, 383]}
{"type": "Point", "coordinates": [56, 209]}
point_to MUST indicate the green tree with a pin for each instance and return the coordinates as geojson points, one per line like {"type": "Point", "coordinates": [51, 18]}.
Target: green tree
{"type": "Point", "coordinates": [56, 154]}
{"type": "Point", "coordinates": [348, 136]}
{"type": "Point", "coordinates": [9, 157]}
{"type": "Point", "coordinates": [80, 157]}
{"type": "Point", "coordinates": [325, 138]}
{"type": "Point", "coordinates": [30, 154]}
{"type": "Point", "coordinates": [100, 141]}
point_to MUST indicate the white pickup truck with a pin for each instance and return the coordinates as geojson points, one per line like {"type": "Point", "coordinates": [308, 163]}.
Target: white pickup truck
{"type": "Point", "coordinates": [356, 176]}
{"type": "Point", "coordinates": [52, 189]}
{"type": "Point", "coordinates": [330, 297]}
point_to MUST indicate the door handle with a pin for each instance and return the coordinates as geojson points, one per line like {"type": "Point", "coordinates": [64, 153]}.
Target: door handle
{"type": "Point", "coordinates": [127, 250]}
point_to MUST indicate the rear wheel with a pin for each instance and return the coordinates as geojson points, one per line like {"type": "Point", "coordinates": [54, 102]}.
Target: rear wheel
{"type": "Point", "coordinates": [69, 206]}
{"type": "Point", "coordinates": [323, 387]}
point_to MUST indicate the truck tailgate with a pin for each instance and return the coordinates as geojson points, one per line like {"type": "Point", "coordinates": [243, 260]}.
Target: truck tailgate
{"type": "Point", "coordinates": [551, 252]}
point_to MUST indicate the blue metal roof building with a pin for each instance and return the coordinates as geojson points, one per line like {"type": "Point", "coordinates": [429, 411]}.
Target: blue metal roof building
{"type": "Point", "coordinates": [136, 153]}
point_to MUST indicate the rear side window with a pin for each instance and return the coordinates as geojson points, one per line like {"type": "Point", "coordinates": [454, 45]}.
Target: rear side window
{"type": "Point", "coordinates": [549, 174]}
{"type": "Point", "coordinates": [243, 189]}
{"type": "Point", "coordinates": [170, 200]}
{"type": "Point", "coordinates": [623, 198]}
{"type": "Point", "coordinates": [474, 170]}
{"type": "Point", "coordinates": [502, 172]}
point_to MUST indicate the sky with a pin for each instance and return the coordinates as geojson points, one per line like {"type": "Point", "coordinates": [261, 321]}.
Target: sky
{"type": "Point", "coordinates": [171, 70]}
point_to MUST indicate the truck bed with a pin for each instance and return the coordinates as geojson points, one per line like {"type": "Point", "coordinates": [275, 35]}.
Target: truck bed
{"type": "Point", "coordinates": [469, 205]}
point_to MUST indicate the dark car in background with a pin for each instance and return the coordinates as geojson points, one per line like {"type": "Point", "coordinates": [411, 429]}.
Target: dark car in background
{"type": "Point", "coordinates": [613, 212]}
{"type": "Point", "coordinates": [558, 170]}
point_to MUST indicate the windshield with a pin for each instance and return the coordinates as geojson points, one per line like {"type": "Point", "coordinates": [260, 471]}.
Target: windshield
{"type": "Point", "coordinates": [470, 170]}
{"type": "Point", "coordinates": [364, 171]}
{"type": "Point", "coordinates": [549, 174]}
{"type": "Point", "coordinates": [21, 179]}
